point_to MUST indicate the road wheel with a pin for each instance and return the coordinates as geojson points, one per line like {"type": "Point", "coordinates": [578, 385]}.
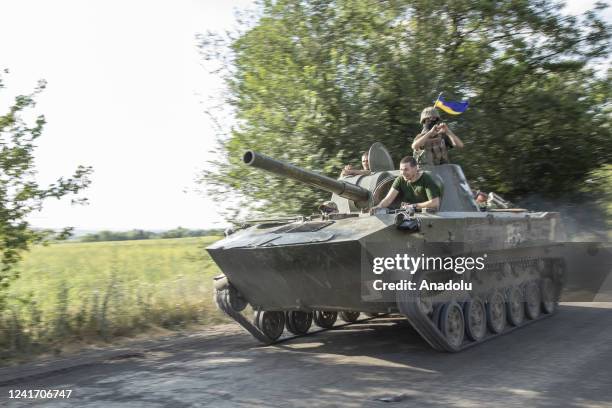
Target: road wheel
{"type": "Point", "coordinates": [533, 300]}
{"type": "Point", "coordinates": [452, 324]}
{"type": "Point", "coordinates": [349, 317]}
{"type": "Point", "coordinates": [325, 319]}
{"type": "Point", "coordinates": [298, 322]}
{"type": "Point", "coordinates": [475, 319]}
{"type": "Point", "coordinates": [271, 323]}
{"type": "Point", "coordinates": [426, 305]}
{"type": "Point", "coordinates": [549, 301]}
{"type": "Point", "coordinates": [496, 313]}
{"type": "Point", "coordinates": [515, 307]}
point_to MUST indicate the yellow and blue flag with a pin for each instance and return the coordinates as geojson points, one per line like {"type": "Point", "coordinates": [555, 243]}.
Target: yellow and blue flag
{"type": "Point", "coordinates": [453, 108]}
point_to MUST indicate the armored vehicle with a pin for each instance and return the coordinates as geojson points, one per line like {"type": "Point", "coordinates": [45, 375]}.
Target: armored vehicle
{"type": "Point", "coordinates": [293, 271]}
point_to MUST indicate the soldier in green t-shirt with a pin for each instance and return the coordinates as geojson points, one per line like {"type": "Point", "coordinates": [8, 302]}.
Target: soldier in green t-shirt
{"type": "Point", "coordinates": [417, 188]}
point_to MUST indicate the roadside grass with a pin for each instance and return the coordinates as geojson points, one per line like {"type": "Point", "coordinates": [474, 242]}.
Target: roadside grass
{"type": "Point", "coordinates": [90, 292]}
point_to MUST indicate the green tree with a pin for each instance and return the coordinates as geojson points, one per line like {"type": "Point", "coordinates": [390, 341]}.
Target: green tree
{"type": "Point", "coordinates": [598, 186]}
{"type": "Point", "coordinates": [20, 193]}
{"type": "Point", "coordinates": [316, 82]}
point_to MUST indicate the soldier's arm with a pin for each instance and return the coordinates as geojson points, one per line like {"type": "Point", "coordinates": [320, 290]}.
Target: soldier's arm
{"type": "Point", "coordinates": [453, 137]}
{"type": "Point", "coordinates": [433, 203]}
{"type": "Point", "coordinates": [346, 171]}
{"type": "Point", "coordinates": [419, 141]}
{"type": "Point", "coordinates": [391, 195]}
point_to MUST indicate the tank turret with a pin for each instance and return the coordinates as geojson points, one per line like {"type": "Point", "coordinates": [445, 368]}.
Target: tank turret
{"type": "Point", "coordinates": [357, 192]}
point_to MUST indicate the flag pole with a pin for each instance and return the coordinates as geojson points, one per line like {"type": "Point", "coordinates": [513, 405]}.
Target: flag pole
{"type": "Point", "coordinates": [437, 99]}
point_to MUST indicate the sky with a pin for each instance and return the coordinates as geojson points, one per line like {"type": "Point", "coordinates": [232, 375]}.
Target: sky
{"type": "Point", "coordinates": [126, 95]}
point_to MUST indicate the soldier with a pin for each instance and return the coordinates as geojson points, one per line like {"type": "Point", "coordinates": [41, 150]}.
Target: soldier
{"type": "Point", "coordinates": [432, 144]}
{"type": "Point", "coordinates": [365, 163]}
{"type": "Point", "coordinates": [328, 207]}
{"type": "Point", "coordinates": [418, 189]}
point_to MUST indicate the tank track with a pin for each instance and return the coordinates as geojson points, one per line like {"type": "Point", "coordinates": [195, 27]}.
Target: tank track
{"type": "Point", "coordinates": [425, 311]}
{"type": "Point", "coordinates": [225, 298]}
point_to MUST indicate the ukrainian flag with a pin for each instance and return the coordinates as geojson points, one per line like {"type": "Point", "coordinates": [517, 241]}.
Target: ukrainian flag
{"type": "Point", "coordinates": [453, 108]}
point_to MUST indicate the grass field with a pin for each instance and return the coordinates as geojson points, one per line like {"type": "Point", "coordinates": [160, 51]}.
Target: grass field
{"type": "Point", "coordinates": [101, 290]}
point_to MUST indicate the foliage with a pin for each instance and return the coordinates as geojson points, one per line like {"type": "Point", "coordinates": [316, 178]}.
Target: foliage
{"type": "Point", "coordinates": [316, 82]}
{"type": "Point", "coordinates": [70, 292]}
{"type": "Point", "coordinates": [138, 234]}
{"type": "Point", "coordinates": [599, 185]}
{"type": "Point", "coordinates": [20, 193]}
{"type": "Point", "coordinates": [181, 232]}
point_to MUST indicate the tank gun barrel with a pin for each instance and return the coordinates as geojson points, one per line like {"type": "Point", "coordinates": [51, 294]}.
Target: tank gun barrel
{"type": "Point", "coordinates": [339, 187]}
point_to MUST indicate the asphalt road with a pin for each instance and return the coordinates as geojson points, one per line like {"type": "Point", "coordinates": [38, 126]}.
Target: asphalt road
{"type": "Point", "coordinates": [565, 360]}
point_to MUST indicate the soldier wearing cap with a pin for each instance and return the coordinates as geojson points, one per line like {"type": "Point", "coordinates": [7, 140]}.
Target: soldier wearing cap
{"type": "Point", "coordinates": [432, 144]}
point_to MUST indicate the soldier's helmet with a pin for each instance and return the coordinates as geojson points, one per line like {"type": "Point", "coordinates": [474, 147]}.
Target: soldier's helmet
{"type": "Point", "coordinates": [429, 112]}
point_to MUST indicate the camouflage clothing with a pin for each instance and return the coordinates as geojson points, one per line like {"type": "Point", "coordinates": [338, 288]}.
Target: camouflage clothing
{"type": "Point", "coordinates": [435, 150]}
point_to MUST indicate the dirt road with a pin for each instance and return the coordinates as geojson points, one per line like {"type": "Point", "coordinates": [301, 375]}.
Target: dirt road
{"type": "Point", "coordinates": [565, 360]}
